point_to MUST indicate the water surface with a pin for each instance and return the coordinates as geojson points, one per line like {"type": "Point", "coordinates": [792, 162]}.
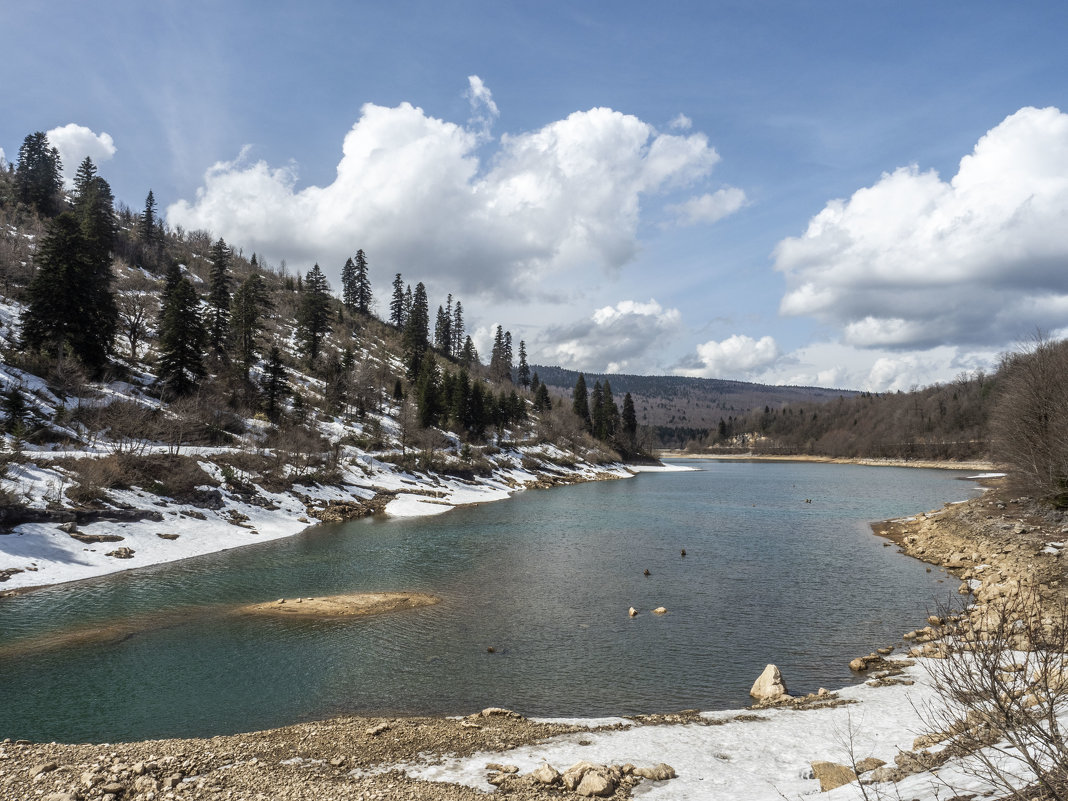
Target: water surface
{"type": "Point", "coordinates": [545, 579]}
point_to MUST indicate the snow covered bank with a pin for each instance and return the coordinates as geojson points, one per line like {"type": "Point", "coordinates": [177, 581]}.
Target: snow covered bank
{"type": "Point", "coordinates": [42, 553]}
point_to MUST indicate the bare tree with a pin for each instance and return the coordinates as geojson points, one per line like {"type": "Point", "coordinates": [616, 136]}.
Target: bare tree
{"type": "Point", "coordinates": [135, 313]}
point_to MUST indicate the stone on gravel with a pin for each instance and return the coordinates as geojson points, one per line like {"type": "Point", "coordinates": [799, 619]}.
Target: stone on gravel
{"type": "Point", "coordinates": [546, 774]}
{"type": "Point", "coordinates": [658, 773]}
{"type": "Point", "coordinates": [832, 775]}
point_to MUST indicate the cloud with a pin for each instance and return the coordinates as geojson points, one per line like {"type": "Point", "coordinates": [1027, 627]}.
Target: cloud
{"type": "Point", "coordinates": [913, 261]}
{"type": "Point", "coordinates": [737, 356]}
{"type": "Point", "coordinates": [484, 111]}
{"type": "Point", "coordinates": [614, 339]}
{"type": "Point", "coordinates": [74, 143]}
{"type": "Point", "coordinates": [681, 123]}
{"type": "Point", "coordinates": [709, 208]}
{"type": "Point", "coordinates": [412, 192]}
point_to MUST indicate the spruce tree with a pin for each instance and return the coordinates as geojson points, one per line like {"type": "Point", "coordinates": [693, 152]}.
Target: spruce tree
{"type": "Point", "coordinates": [275, 387]}
{"type": "Point", "coordinates": [363, 285]}
{"type": "Point", "coordinates": [468, 354]}
{"type": "Point", "coordinates": [38, 177]}
{"type": "Point", "coordinates": [442, 332]}
{"type": "Point", "coordinates": [597, 411]}
{"type": "Point", "coordinates": [396, 303]}
{"type": "Point", "coordinates": [580, 402]}
{"type": "Point", "coordinates": [523, 370]}
{"type": "Point", "coordinates": [498, 364]}
{"type": "Point", "coordinates": [70, 305]}
{"type": "Point", "coordinates": [629, 421]}
{"type": "Point", "coordinates": [417, 332]}
{"type": "Point", "coordinates": [457, 328]}
{"type": "Point", "coordinates": [250, 304]}
{"type": "Point", "coordinates": [313, 315]}
{"type": "Point", "coordinates": [610, 413]}
{"type": "Point", "coordinates": [181, 340]}
{"type": "Point", "coordinates": [542, 401]}
{"type": "Point", "coordinates": [218, 323]}
{"type": "Point", "coordinates": [348, 285]}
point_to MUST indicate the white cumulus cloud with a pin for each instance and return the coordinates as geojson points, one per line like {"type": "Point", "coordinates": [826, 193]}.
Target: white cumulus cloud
{"type": "Point", "coordinates": [681, 122]}
{"type": "Point", "coordinates": [412, 191]}
{"type": "Point", "coordinates": [914, 261]}
{"type": "Point", "coordinates": [709, 208]}
{"type": "Point", "coordinates": [75, 142]}
{"type": "Point", "coordinates": [738, 356]}
{"type": "Point", "coordinates": [614, 339]}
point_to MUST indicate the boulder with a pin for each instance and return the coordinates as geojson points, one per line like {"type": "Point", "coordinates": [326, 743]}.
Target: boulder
{"type": "Point", "coordinates": [572, 777]}
{"type": "Point", "coordinates": [769, 686]}
{"type": "Point", "coordinates": [660, 610]}
{"type": "Point", "coordinates": [869, 764]}
{"type": "Point", "coordinates": [858, 664]}
{"type": "Point", "coordinates": [122, 553]}
{"type": "Point", "coordinates": [597, 783]}
{"type": "Point", "coordinates": [546, 774]}
{"type": "Point", "coordinates": [632, 612]}
{"type": "Point", "coordinates": [832, 775]}
{"type": "Point", "coordinates": [658, 773]}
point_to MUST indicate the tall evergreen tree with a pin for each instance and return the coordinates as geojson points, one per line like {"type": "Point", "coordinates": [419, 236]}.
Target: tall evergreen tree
{"type": "Point", "coordinates": [313, 315]}
{"type": "Point", "coordinates": [523, 370]}
{"type": "Point", "coordinates": [250, 304]}
{"type": "Point", "coordinates": [147, 226]}
{"type": "Point", "coordinates": [499, 365]}
{"type": "Point", "coordinates": [468, 354]}
{"type": "Point", "coordinates": [442, 331]}
{"type": "Point", "coordinates": [457, 328]}
{"type": "Point", "coordinates": [597, 410]}
{"type": "Point", "coordinates": [218, 323]}
{"type": "Point", "coordinates": [417, 332]}
{"type": "Point", "coordinates": [275, 387]}
{"type": "Point", "coordinates": [580, 402]}
{"type": "Point", "coordinates": [408, 301]}
{"type": "Point", "coordinates": [363, 285]}
{"type": "Point", "coordinates": [396, 303]}
{"type": "Point", "coordinates": [610, 413]}
{"type": "Point", "coordinates": [38, 177]}
{"type": "Point", "coordinates": [542, 401]}
{"type": "Point", "coordinates": [428, 392]}
{"type": "Point", "coordinates": [348, 284]}
{"type": "Point", "coordinates": [70, 305]}
{"type": "Point", "coordinates": [629, 421]}
{"type": "Point", "coordinates": [181, 340]}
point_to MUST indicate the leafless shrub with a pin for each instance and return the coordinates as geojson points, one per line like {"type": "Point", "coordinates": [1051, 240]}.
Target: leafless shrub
{"type": "Point", "coordinates": [1001, 690]}
{"type": "Point", "coordinates": [173, 476]}
{"type": "Point", "coordinates": [1030, 422]}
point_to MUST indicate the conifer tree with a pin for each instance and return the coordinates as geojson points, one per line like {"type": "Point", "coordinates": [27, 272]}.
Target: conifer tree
{"type": "Point", "coordinates": [610, 413]}
{"type": "Point", "coordinates": [535, 382]}
{"type": "Point", "coordinates": [523, 370]}
{"type": "Point", "coordinates": [597, 410]}
{"type": "Point", "coordinates": [15, 409]}
{"type": "Point", "coordinates": [408, 301]}
{"type": "Point", "coordinates": [275, 387]}
{"type": "Point", "coordinates": [457, 328]}
{"type": "Point", "coordinates": [70, 305]}
{"type": "Point", "coordinates": [38, 177]}
{"type": "Point", "coordinates": [629, 421]}
{"type": "Point", "coordinates": [363, 285]}
{"type": "Point", "coordinates": [250, 304]}
{"type": "Point", "coordinates": [348, 285]}
{"type": "Point", "coordinates": [313, 315]}
{"type": "Point", "coordinates": [443, 329]}
{"type": "Point", "coordinates": [181, 340]}
{"type": "Point", "coordinates": [468, 354]}
{"type": "Point", "coordinates": [218, 323]}
{"type": "Point", "coordinates": [417, 332]}
{"type": "Point", "coordinates": [580, 402]}
{"type": "Point", "coordinates": [396, 304]}
{"type": "Point", "coordinates": [428, 392]}
{"type": "Point", "coordinates": [542, 401]}
{"type": "Point", "coordinates": [147, 226]}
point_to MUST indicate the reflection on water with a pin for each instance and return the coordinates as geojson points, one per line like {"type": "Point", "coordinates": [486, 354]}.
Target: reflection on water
{"type": "Point", "coordinates": [545, 580]}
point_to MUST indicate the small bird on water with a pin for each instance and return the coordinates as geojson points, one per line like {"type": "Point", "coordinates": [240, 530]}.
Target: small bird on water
{"type": "Point", "coordinates": [647, 571]}
{"type": "Point", "coordinates": [683, 551]}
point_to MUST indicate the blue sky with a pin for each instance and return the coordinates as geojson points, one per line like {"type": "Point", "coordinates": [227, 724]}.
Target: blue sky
{"type": "Point", "coordinates": [768, 191]}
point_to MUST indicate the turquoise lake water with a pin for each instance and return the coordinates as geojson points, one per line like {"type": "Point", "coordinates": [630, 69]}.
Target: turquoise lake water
{"type": "Point", "coordinates": [544, 578]}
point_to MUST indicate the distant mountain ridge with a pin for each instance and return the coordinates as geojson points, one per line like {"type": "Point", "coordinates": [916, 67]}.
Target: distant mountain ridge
{"type": "Point", "coordinates": [690, 403]}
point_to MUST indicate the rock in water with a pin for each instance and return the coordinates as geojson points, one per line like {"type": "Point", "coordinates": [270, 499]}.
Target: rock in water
{"type": "Point", "coordinates": [769, 686]}
{"type": "Point", "coordinates": [832, 775]}
{"type": "Point", "coordinates": [632, 612]}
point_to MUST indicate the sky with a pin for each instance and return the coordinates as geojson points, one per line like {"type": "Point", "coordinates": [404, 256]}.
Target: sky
{"type": "Point", "coordinates": [843, 193]}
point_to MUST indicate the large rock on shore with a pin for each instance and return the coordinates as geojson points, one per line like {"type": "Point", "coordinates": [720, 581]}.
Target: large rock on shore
{"type": "Point", "coordinates": [770, 686]}
{"type": "Point", "coordinates": [832, 775]}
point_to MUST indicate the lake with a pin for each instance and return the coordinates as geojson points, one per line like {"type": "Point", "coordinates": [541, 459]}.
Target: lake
{"type": "Point", "coordinates": [781, 566]}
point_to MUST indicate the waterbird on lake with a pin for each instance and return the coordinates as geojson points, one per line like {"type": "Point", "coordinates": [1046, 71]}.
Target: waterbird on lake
{"type": "Point", "coordinates": [684, 552]}
{"type": "Point", "coordinates": [647, 571]}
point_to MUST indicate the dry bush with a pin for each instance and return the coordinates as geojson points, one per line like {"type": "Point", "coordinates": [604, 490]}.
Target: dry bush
{"type": "Point", "coordinates": [1030, 422]}
{"type": "Point", "coordinates": [1001, 691]}
{"type": "Point", "coordinates": [172, 476]}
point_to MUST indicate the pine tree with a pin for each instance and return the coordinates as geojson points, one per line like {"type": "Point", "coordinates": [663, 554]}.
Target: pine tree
{"type": "Point", "coordinates": [313, 316]}
{"type": "Point", "coordinates": [38, 177]}
{"type": "Point", "coordinates": [457, 328]}
{"type": "Point", "coordinates": [580, 403]}
{"type": "Point", "coordinates": [523, 370]}
{"type": "Point", "coordinates": [597, 410]}
{"type": "Point", "coordinates": [181, 340]}
{"type": "Point", "coordinates": [507, 357]}
{"type": "Point", "coordinates": [468, 354]}
{"type": "Point", "coordinates": [15, 409]}
{"type": "Point", "coordinates": [396, 304]}
{"type": "Point", "coordinates": [147, 227]}
{"type": "Point", "coordinates": [428, 392]}
{"type": "Point", "coordinates": [417, 332]}
{"type": "Point", "coordinates": [70, 305]}
{"type": "Point", "coordinates": [408, 301]}
{"type": "Point", "coordinates": [629, 421]}
{"type": "Point", "coordinates": [542, 401]}
{"type": "Point", "coordinates": [275, 387]}
{"type": "Point", "coordinates": [363, 285]}
{"type": "Point", "coordinates": [443, 330]}
{"type": "Point", "coordinates": [218, 322]}
{"type": "Point", "coordinates": [348, 285]}
{"type": "Point", "coordinates": [499, 365]}
{"type": "Point", "coordinates": [610, 413]}
{"type": "Point", "coordinates": [535, 382]}
{"type": "Point", "coordinates": [250, 304]}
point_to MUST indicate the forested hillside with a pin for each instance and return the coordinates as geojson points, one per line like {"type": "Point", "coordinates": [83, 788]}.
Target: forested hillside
{"type": "Point", "coordinates": [119, 330]}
